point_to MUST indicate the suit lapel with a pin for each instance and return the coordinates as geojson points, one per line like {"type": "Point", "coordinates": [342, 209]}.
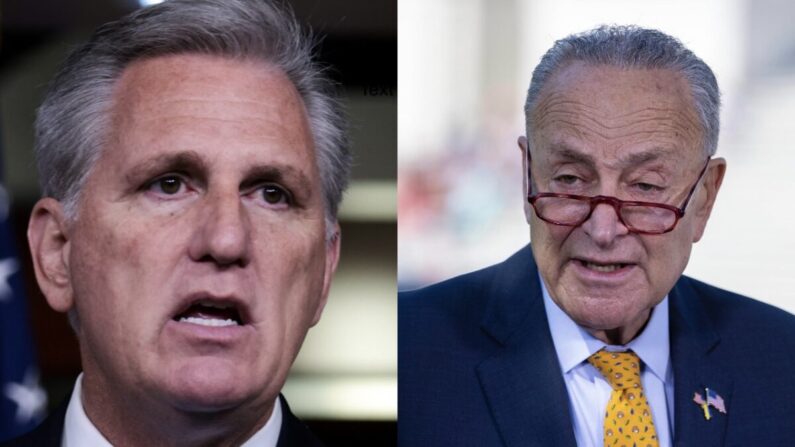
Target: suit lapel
{"type": "Point", "coordinates": [522, 381]}
{"type": "Point", "coordinates": [523, 384]}
{"type": "Point", "coordinates": [693, 341]}
{"type": "Point", "coordinates": [293, 432]}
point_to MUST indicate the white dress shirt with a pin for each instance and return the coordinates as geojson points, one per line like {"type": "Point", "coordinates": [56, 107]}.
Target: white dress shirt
{"type": "Point", "coordinates": [589, 391]}
{"type": "Point", "coordinates": [78, 430]}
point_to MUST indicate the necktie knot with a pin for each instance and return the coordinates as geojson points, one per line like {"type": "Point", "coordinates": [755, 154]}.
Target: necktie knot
{"type": "Point", "coordinates": [621, 369]}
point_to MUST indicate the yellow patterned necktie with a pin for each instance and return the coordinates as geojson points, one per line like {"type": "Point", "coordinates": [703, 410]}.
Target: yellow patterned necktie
{"type": "Point", "coordinates": [628, 420]}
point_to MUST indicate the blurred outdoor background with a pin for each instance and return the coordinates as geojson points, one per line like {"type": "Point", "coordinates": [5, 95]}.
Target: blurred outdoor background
{"type": "Point", "coordinates": [464, 68]}
{"type": "Point", "coordinates": [344, 381]}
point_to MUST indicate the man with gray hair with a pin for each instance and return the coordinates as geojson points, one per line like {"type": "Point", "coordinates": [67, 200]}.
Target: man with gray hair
{"type": "Point", "coordinates": [192, 157]}
{"type": "Point", "coordinates": [591, 335]}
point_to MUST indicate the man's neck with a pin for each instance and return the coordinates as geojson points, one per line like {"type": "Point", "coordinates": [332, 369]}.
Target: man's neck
{"type": "Point", "coordinates": [621, 336]}
{"type": "Point", "coordinates": [144, 420]}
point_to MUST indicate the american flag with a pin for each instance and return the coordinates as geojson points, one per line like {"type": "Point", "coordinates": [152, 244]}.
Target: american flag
{"type": "Point", "coordinates": [715, 400]}
{"type": "Point", "coordinates": [22, 401]}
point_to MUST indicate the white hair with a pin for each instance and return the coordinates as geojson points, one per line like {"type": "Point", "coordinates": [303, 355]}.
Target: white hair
{"type": "Point", "coordinates": [634, 47]}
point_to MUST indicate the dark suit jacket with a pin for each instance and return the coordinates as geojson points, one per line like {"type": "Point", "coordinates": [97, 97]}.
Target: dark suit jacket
{"type": "Point", "coordinates": [293, 432]}
{"type": "Point", "coordinates": [477, 366]}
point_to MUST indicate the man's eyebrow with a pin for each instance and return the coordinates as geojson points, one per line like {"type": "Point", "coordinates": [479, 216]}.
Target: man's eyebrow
{"type": "Point", "coordinates": [276, 172]}
{"type": "Point", "coordinates": [565, 152]}
{"type": "Point", "coordinates": [191, 162]}
{"type": "Point", "coordinates": [640, 158]}
{"type": "Point", "coordinates": [175, 161]}
{"type": "Point", "coordinates": [569, 154]}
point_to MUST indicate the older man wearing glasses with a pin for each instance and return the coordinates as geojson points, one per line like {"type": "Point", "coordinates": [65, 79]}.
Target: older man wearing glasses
{"type": "Point", "coordinates": [592, 336]}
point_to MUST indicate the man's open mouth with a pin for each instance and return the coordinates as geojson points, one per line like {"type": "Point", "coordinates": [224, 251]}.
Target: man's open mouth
{"type": "Point", "coordinates": [604, 268]}
{"type": "Point", "coordinates": [211, 313]}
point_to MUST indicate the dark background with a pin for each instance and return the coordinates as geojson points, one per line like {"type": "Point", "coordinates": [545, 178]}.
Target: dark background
{"type": "Point", "coordinates": [360, 44]}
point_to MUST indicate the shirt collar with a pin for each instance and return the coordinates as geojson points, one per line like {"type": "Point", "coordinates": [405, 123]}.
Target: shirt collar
{"type": "Point", "coordinates": [80, 431]}
{"type": "Point", "coordinates": [268, 435]}
{"type": "Point", "coordinates": [574, 344]}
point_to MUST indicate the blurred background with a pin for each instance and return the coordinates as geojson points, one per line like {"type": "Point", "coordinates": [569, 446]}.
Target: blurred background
{"type": "Point", "coordinates": [343, 382]}
{"type": "Point", "coordinates": [464, 68]}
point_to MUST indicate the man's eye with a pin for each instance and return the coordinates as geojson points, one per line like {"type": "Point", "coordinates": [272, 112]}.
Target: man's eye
{"type": "Point", "coordinates": [169, 185]}
{"type": "Point", "coordinates": [275, 195]}
{"type": "Point", "coordinates": [647, 187]}
{"type": "Point", "coordinates": [567, 179]}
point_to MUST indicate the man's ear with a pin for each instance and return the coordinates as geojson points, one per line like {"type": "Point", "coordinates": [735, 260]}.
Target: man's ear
{"type": "Point", "coordinates": [523, 150]}
{"type": "Point", "coordinates": [332, 259]}
{"type": "Point", "coordinates": [49, 247]}
{"type": "Point", "coordinates": [711, 182]}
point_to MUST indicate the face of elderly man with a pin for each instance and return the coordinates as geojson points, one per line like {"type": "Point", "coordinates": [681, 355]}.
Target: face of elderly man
{"type": "Point", "coordinates": [198, 260]}
{"type": "Point", "coordinates": [632, 134]}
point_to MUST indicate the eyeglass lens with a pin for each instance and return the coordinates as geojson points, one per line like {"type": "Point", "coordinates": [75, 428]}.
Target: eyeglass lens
{"type": "Point", "coordinates": [568, 211]}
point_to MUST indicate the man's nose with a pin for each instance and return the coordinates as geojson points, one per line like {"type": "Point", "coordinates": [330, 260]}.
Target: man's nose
{"type": "Point", "coordinates": [604, 225]}
{"type": "Point", "coordinates": [223, 230]}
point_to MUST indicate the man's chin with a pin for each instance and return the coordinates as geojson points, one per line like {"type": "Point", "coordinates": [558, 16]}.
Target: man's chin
{"type": "Point", "coordinates": [602, 311]}
{"type": "Point", "coordinates": [209, 389]}
{"type": "Point", "coordinates": [610, 316]}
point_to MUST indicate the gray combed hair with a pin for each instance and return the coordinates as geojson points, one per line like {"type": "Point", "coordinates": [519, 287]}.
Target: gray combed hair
{"type": "Point", "coordinates": [633, 47]}
{"type": "Point", "coordinates": [73, 123]}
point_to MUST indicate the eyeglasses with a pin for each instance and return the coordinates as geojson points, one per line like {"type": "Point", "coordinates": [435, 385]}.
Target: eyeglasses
{"type": "Point", "coordinates": [638, 217]}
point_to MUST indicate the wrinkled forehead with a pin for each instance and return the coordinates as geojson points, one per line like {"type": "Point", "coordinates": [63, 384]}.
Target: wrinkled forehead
{"type": "Point", "coordinates": [606, 112]}
{"type": "Point", "coordinates": [192, 101]}
{"type": "Point", "coordinates": [174, 81]}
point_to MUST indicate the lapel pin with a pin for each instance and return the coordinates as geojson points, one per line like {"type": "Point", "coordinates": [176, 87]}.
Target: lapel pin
{"type": "Point", "coordinates": [713, 400]}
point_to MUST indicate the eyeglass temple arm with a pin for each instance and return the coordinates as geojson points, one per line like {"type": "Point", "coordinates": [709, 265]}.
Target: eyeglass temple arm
{"type": "Point", "coordinates": [527, 174]}
{"type": "Point", "coordinates": [695, 185]}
